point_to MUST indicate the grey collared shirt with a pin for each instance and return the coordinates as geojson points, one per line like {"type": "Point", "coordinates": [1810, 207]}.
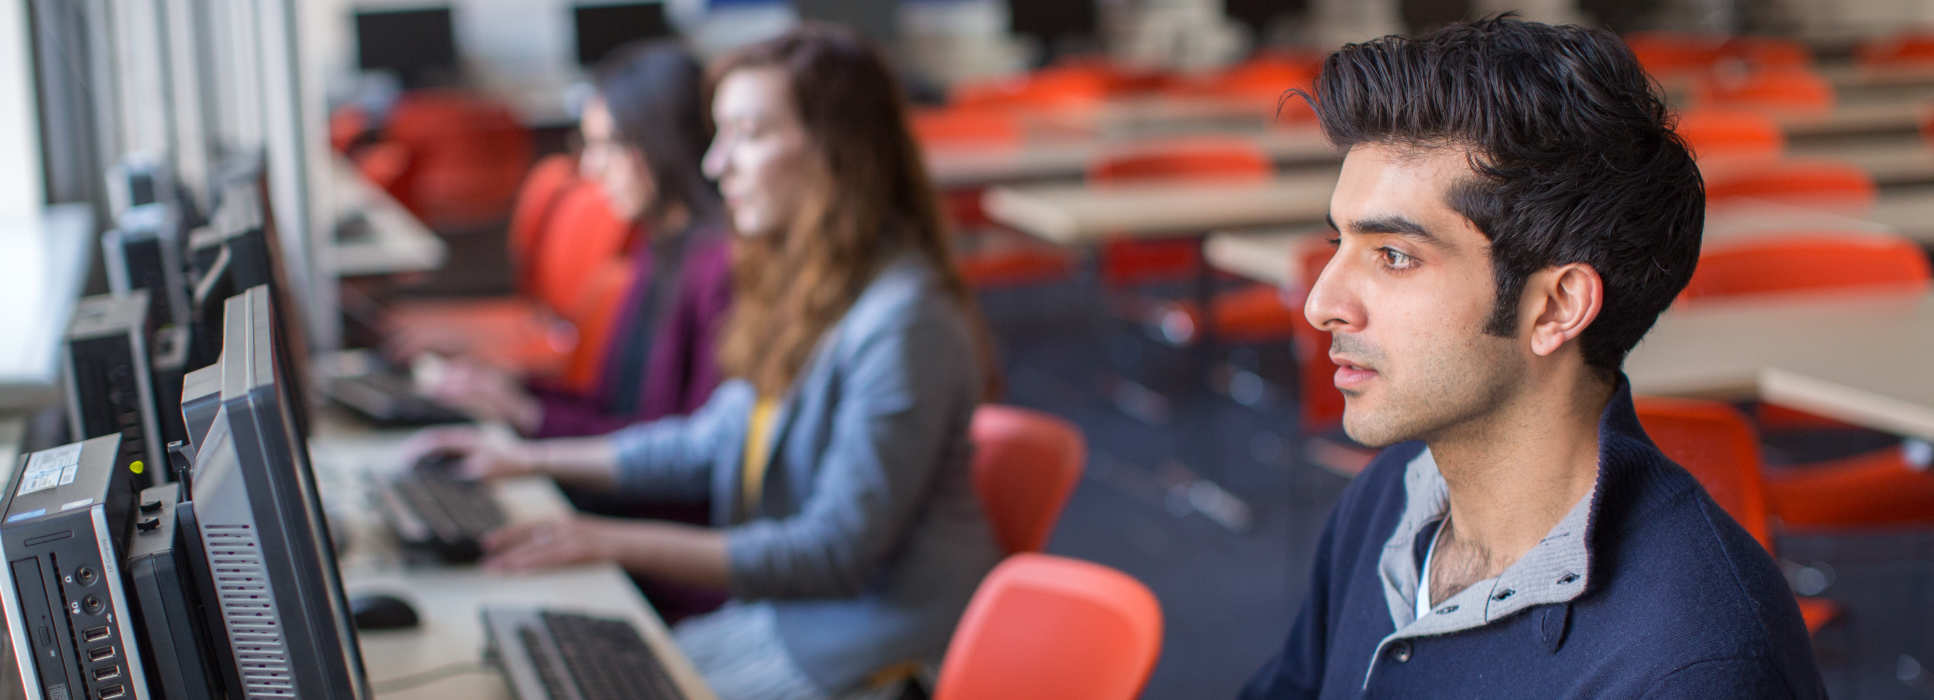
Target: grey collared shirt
{"type": "Point", "coordinates": [1554, 571]}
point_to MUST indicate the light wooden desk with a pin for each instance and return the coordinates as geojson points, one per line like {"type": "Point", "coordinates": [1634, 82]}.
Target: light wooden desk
{"type": "Point", "coordinates": [1910, 212]}
{"type": "Point", "coordinates": [1888, 397]}
{"type": "Point", "coordinates": [1721, 349]}
{"type": "Point", "coordinates": [448, 599]}
{"type": "Point", "coordinates": [1844, 76]}
{"type": "Point", "coordinates": [1077, 215]}
{"type": "Point", "coordinates": [1860, 117]}
{"type": "Point", "coordinates": [392, 240]}
{"type": "Point", "coordinates": [1893, 160]}
{"type": "Point", "coordinates": [1069, 158]}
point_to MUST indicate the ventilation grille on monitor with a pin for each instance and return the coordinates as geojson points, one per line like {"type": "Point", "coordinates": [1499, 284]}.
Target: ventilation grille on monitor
{"type": "Point", "coordinates": [241, 581]}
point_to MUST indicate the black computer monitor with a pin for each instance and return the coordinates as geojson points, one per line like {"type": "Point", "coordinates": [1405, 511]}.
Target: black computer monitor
{"type": "Point", "coordinates": [1052, 21]}
{"type": "Point", "coordinates": [604, 27]}
{"type": "Point", "coordinates": [240, 249]}
{"type": "Point", "coordinates": [418, 46]}
{"type": "Point", "coordinates": [284, 618]}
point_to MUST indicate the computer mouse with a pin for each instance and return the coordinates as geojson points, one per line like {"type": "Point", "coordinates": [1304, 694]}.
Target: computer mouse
{"type": "Point", "coordinates": [382, 611]}
{"type": "Point", "coordinates": [444, 464]}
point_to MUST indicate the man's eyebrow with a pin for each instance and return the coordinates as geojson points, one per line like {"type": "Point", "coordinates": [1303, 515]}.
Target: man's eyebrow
{"type": "Point", "coordinates": [1395, 225]}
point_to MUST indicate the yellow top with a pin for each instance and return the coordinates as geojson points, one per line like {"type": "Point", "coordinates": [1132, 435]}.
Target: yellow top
{"type": "Point", "coordinates": [758, 440]}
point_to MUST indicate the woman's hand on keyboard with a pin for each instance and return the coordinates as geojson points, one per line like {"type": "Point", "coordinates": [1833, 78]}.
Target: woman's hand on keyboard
{"type": "Point", "coordinates": [573, 539]}
{"type": "Point", "coordinates": [481, 454]}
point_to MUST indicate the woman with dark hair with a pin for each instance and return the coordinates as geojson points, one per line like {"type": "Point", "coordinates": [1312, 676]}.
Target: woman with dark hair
{"type": "Point", "coordinates": [836, 452]}
{"type": "Point", "coordinates": [643, 135]}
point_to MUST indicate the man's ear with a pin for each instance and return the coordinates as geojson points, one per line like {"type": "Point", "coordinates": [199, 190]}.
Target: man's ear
{"type": "Point", "coordinates": [1565, 300]}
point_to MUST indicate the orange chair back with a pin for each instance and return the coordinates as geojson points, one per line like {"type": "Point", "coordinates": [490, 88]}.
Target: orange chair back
{"type": "Point", "coordinates": [472, 153]}
{"type": "Point", "coordinates": [966, 127]}
{"type": "Point", "coordinates": [1667, 55]}
{"type": "Point", "coordinates": [1026, 464]}
{"type": "Point", "coordinates": [1322, 403]}
{"type": "Point", "coordinates": [1266, 80]}
{"type": "Point", "coordinates": [1731, 134]}
{"type": "Point", "coordinates": [1767, 52]}
{"type": "Point", "coordinates": [594, 313]}
{"type": "Point", "coordinates": [1908, 50]}
{"type": "Point", "coordinates": [543, 188]}
{"type": "Point", "coordinates": [1046, 627]}
{"type": "Point", "coordinates": [1800, 262]}
{"type": "Point", "coordinates": [1828, 184]}
{"type": "Point", "coordinates": [1716, 444]}
{"type": "Point", "coordinates": [581, 235]}
{"type": "Point", "coordinates": [1786, 90]}
{"type": "Point", "coordinates": [1195, 159]}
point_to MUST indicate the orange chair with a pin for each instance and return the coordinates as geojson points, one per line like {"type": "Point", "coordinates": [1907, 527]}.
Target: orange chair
{"type": "Point", "coordinates": [543, 188]}
{"type": "Point", "coordinates": [1044, 627]}
{"type": "Point", "coordinates": [1767, 52]}
{"type": "Point", "coordinates": [1322, 403]}
{"type": "Point", "coordinates": [1876, 489]}
{"type": "Point", "coordinates": [1026, 464]}
{"type": "Point", "coordinates": [583, 234]}
{"type": "Point", "coordinates": [1907, 50]}
{"type": "Point", "coordinates": [1819, 183]}
{"type": "Point", "coordinates": [1265, 80]}
{"type": "Point", "coordinates": [1668, 55]}
{"type": "Point", "coordinates": [1787, 90]}
{"type": "Point", "coordinates": [1731, 135]}
{"type": "Point", "coordinates": [1133, 262]}
{"type": "Point", "coordinates": [1716, 444]}
{"type": "Point", "coordinates": [469, 156]}
{"type": "Point", "coordinates": [594, 315]}
{"type": "Point", "coordinates": [1807, 261]}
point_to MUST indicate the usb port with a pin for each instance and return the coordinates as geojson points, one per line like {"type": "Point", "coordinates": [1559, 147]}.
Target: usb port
{"type": "Point", "coordinates": [94, 634]}
{"type": "Point", "coordinates": [107, 673]}
{"type": "Point", "coordinates": [113, 691]}
{"type": "Point", "coordinates": [100, 654]}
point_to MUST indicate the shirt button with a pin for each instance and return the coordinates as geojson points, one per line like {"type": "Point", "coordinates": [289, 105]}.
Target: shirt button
{"type": "Point", "coordinates": [1400, 652]}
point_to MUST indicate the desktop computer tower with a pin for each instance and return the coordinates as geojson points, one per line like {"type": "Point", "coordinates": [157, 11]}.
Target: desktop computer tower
{"type": "Point", "coordinates": [109, 385]}
{"type": "Point", "coordinates": [63, 530]}
{"type": "Point", "coordinates": [172, 617]}
{"type": "Point", "coordinates": [144, 253]}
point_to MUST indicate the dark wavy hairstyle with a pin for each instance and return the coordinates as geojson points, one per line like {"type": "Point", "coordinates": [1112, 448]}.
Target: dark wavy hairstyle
{"type": "Point", "coordinates": [1572, 151]}
{"type": "Point", "coordinates": [656, 93]}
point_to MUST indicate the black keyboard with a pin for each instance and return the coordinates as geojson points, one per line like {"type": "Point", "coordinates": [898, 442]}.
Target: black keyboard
{"type": "Point", "coordinates": [389, 400]}
{"type": "Point", "coordinates": [440, 514]}
{"type": "Point", "coordinates": [552, 655]}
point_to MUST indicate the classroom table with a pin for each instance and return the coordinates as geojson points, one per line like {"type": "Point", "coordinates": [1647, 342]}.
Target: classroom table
{"type": "Point", "coordinates": [1860, 341]}
{"type": "Point", "coordinates": [1871, 117]}
{"type": "Point", "coordinates": [1068, 158]}
{"type": "Point", "coordinates": [448, 598]}
{"type": "Point", "coordinates": [1076, 215]}
{"type": "Point", "coordinates": [381, 237]}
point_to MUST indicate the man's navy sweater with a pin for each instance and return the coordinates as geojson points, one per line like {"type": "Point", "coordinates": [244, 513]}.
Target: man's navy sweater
{"type": "Point", "coordinates": [1679, 601]}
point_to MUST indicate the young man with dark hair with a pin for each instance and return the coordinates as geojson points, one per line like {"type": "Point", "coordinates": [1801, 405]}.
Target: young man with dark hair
{"type": "Point", "coordinates": [1513, 213]}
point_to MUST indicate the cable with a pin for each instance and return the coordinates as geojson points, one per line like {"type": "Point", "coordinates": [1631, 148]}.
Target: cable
{"type": "Point", "coordinates": [422, 678]}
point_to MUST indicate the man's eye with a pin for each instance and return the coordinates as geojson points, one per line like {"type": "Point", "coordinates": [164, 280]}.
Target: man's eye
{"type": "Point", "coordinates": [1396, 260]}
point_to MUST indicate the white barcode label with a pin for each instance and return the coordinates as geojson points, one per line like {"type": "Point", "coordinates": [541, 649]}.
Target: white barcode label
{"type": "Point", "coordinates": [49, 468]}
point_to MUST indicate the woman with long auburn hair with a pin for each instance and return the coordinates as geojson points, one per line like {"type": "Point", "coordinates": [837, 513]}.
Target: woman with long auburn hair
{"type": "Point", "coordinates": [836, 452]}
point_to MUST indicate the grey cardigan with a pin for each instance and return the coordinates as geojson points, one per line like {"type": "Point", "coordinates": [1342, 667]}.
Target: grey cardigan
{"type": "Point", "coordinates": [867, 539]}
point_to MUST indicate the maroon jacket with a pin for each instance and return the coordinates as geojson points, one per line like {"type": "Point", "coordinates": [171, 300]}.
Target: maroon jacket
{"type": "Point", "coordinates": [682, 363]}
